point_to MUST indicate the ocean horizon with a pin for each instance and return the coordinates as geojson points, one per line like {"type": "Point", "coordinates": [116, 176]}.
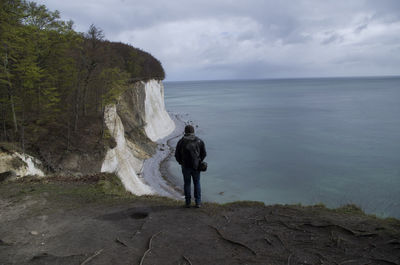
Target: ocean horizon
{"type": "Point", "coordinates": [166, 81]}
{"type": "Point", "coordinates": [330, 140]}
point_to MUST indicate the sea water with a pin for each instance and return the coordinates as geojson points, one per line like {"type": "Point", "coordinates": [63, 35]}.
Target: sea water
{"type": "Point", "coordinates": [327, 140]}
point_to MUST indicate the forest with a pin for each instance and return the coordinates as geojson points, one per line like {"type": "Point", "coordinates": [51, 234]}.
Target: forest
{"type": "Point", "coordinates": [55, 82]}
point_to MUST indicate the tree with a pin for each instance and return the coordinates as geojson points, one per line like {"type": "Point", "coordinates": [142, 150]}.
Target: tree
{"type": "Point", "coordinates": [53, 79]}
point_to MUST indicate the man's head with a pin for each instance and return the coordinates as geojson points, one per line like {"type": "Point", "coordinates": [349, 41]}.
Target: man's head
{"type": "Point", "coordinates": [189, 129]}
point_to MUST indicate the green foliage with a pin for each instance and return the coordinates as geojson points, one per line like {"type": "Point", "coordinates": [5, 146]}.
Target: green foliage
{"type": "Point", "coordinates": [112, 185]}
{"type": "Point", "coordinates": [350, 208]}
{"type": "Point", "coordinates": [52, 77]}
{"type": "Point", "coordinates": [116, 82]}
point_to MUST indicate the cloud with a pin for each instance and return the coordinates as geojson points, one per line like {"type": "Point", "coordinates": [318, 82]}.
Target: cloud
{"type": "Point", "coordinates": [251, 39]}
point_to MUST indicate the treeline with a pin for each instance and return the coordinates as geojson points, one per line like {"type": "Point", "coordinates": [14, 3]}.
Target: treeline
{"type": "Point", "coordinates": [53, 79]}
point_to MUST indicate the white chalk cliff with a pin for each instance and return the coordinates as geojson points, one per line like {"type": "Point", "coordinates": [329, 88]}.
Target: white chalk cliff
{"type": "Point", "coordinates": [135, 122]}
{"type": "Point", "coordinates": [158, 122]}
{"type": "Point", "coordinates": [122, 159]}
{"type": "Point", "coordinates": [20, 165]}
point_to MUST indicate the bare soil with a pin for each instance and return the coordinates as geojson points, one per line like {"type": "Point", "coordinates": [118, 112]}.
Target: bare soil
{"type": "Point", "coordinates": [60, 221]}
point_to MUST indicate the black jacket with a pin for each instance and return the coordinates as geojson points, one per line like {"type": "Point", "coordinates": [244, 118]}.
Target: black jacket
{"type": "Point", "coordinates": [190, 151]}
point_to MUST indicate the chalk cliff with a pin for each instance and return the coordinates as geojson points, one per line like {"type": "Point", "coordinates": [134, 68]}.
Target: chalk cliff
{"type": "Point", "coordinates": [134, 124]}
{"type": "Point", "coordinates": [139, 114]}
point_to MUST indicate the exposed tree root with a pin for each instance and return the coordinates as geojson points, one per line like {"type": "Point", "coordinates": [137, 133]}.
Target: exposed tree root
{"type": "Point", "coordinates": [187, 259]}
{"type": "Point", "coordinates": [393, 242]}
{"type": "Point", "coordinates": [288, 259]}
{"type": "Point", "coordinates": [232, 241]}
{"type": "Point", "coordinates": [149, 248]}
{"type": "Point", "coordinates": [140, 229]}
{"type": "Point", "coordinates": [226, 218]}
{"type": "Point", "coordinates": [120, 242]}
{"type": "Point", "coordinates": [386, 261]}
{"type": "Point", "coordinates": [345, 229]}
{"type": "Point", "coordinates": [268, 241]}
{"type": "Point", "coordinates": [280, 240]}
{"type": "Point", "coordinates": [349, 261]}
{"type": "Point", "coordinates": [291, 227]}
{"type": "Point", "coordinates": [92, 257]}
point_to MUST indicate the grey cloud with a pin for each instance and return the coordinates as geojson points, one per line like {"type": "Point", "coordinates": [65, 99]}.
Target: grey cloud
{"type": "Point", "coordinates": [361, 28]}
{"type": "Point", "coordinates": [304, 37]}
{"type": "Point", "coordinates": [332, 38]}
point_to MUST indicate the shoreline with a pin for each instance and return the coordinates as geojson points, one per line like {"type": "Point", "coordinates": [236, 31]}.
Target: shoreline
{"type": "Point", "coordinates": [154, 171]}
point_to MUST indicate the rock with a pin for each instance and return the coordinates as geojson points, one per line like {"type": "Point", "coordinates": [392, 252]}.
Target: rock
{"type": "Point", "coordinates": [3, 243]}
{"type": "Point", "coordinates": [34, 233]}
{"type": "Point", "coordinates": [162, 149]}
{"type": "Point", "coordinates": [6, 175]}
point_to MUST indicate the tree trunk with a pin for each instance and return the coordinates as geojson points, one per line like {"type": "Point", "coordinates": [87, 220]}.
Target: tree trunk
{"type": "Point", "coordinates": [68, 133]}
{"type": "Point", "coordinates": [10, 94]}
{"type": "Point", "coordinates": [23, 131]}
{"type": "Point", "coordinates": [38, 101]}
{"type": "Point", "coordinates": [76, 110]}
{"type": "Point", "coordinates": [3, 110]}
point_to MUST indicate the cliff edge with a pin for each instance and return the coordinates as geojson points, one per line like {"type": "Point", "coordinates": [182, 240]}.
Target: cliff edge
{"type": "Point", "coordinates": [92, 221]}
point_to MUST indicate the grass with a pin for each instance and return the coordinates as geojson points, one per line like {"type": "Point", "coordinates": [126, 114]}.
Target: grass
{"type": "Point", "coordinates": [106, 189]}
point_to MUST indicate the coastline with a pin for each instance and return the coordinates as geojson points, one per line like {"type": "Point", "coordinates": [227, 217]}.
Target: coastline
{"type": "Point", "coordinates": [154, 170]}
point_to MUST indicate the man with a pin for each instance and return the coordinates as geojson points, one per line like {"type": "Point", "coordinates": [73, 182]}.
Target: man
{"type": "Point", "coordinates": [190, 152]}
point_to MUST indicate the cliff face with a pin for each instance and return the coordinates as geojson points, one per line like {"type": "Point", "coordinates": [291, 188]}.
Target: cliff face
{"type": "Point", "coordinates": [133, 125]}
{"type": "Point", "coordinates": [21, 165]}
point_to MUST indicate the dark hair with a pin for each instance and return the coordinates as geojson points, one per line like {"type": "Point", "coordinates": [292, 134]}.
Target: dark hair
{"type": "Point", "coordinates": [189, 129]}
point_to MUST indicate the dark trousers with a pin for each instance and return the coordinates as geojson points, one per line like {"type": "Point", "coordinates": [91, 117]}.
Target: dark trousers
{"type": "Point", "coordinates": [188, 174]}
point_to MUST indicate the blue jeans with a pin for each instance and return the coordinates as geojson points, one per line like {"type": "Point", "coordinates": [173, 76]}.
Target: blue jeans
{"type": "Point", "coordinates": [188, 174]}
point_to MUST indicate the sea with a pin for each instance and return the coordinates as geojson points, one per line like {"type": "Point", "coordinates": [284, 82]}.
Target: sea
{"type": "Point", "coordinates": [306, 141]}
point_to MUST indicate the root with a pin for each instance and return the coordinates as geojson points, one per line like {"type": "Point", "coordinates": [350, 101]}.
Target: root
{"type": "Point", "coordinates": [353, 261]}
{"type": "Point", "coordinates": [120, 242]}
{"type": "Point", "coordinates": [268, 241]}
{"type": "Point", "coordinates": [187, 259]}
{"type": "Point", "coordinates": [149, 248]}
{"type": "Point", "coordinates": [385, 260]}
{"type": "Point", "coordinates": [92, 257]}
{"type": "Point", "coordinates": [280, 240]}
{"type": "Point", "coordinates": [348, 230]}
{"type": "Point", "coordinates": [393, 242]}
{"type": "Point", "coordinates": [232, 241]}
{"type": "Point", "coordinates": [140, 229]}
{"type": "Point", "coordinates": [348, 261]}
{"type": "Point", "coordinates": [290, 227]}
{"type": "Point", "coordinates": [288, 260]}
{"type": "Point", "coordinates": [227, 218]}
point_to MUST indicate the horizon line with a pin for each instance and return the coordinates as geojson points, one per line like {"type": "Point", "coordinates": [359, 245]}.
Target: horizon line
{"type": "Point", "coordinates": [284, 78]}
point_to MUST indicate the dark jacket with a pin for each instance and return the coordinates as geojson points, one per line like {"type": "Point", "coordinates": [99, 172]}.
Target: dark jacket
{"type": "Point", "coordinates": [190, 151]}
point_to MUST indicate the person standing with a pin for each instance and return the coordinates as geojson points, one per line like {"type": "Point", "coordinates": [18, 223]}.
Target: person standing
{"type": "Point", "coordinates": [189, 153]}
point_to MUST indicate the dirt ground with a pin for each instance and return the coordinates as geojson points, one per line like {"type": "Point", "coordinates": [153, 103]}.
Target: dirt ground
{"type": "Point", "coordinates": [63, 222]}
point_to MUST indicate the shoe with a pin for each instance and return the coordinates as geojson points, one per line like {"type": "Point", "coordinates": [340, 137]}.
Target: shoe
{"type": "Point", "coordinates": [187, 205]}
{"type": "Point", "coordinates": [198, 206]}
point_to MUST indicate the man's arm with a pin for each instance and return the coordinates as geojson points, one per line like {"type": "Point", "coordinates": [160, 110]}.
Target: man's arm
{"type": "Point", "coordinates": [178, 152]}
{"type": "Point", "coordinates": [203, 152]}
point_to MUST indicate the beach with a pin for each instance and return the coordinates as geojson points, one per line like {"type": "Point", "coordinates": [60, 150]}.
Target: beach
{"type": "Point", "coordinates": [154, 172]}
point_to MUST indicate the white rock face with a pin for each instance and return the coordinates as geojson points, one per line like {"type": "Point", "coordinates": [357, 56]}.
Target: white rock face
{"type": "Point", "coordinates": [29, 168]}
{"type": "Point", "coordinates": [158, 122]}
{"type": "Point", "coordinates": [120, 160]}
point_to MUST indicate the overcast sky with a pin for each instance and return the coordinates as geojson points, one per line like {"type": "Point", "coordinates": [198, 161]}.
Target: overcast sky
{"type": "Point", "coordinates": [235, 39]}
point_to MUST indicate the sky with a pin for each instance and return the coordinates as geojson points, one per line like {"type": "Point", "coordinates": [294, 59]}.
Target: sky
{"type": "Point", "coordinates": [250, 39]}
